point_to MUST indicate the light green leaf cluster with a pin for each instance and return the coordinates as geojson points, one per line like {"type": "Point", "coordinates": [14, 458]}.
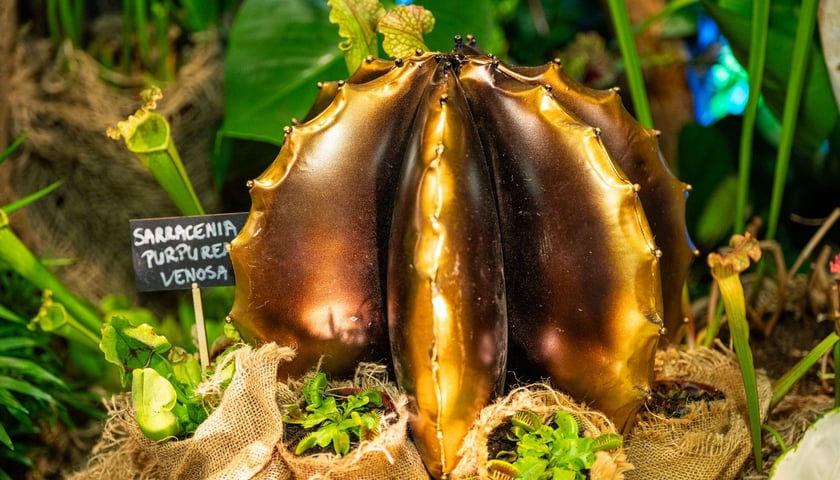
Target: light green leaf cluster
{"type": "Point", "coordinates": [403, 28]}
{"type": "Point", "coordinates": [357, 22]}
{"type": "Point", "coordinates": [164, 378]}
{"type": "Point", "coordinates": [332, 419]}
{"type": "Point", "coordinates": [551, 451]}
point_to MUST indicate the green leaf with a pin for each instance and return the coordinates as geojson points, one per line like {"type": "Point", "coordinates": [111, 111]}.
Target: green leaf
{"type": "Point", "coordinates": [154, 398]}
{"type": "Point", "coordinates": [5, 439]}
{"type": "Point", "coordinates": [403, 27]}
{"type": "Point", "coordinates": [313, 390]}
{"type": "Point", "coordinates": [26, 388]}
{"type": "Point", "coordinates": [9, 401]}
{"type": "Point", "coordinates": [128, 346]}
{"type": "Point", "coordinates": [606, 441]}
{"type": "Point", "coordinates": [279, 51]}
{"type": "Point", "coordinates": [31, 369]}
{"type": "Point", "coordinates": [566, 424]}
{"type": "Point", "coordinates": [818, 112]}
{"type": "Point", "coordinates": [357, 20]}
{"type": "Point", "coordinates": [186, 369]}
{"type": "Point", "coordinates": [11, 316]}
{"type": "Point", "coordinates": [305, 444]}
{"type": "Point", "coordinates": [717, 218]}
{"type": "Point", "coordinates": [341, 442]}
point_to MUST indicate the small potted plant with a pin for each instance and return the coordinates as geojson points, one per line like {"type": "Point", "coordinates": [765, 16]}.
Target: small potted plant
{"type": "Point", "coordinates": [354, 430]}
{"type": "Point", "coordinates": [537, 432]}
{"type": "Point", "coordinates": [549, 451]}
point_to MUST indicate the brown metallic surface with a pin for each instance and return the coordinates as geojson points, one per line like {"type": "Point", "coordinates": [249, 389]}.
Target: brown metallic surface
{"type": "Point", "coordinates": [454, 194]}
{"type": "Point", "coordinates": [307, 262]}
{"type": "Point", "coordinates": [446, 297]}
{"type": "Point", "coordinates": [635, 149]}
{"type": "Point", "coordinates": [581, 269]}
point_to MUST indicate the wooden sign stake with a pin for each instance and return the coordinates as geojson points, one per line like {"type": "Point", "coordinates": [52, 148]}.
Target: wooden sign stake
{"type": "Point", "coordinates": [201, 332]}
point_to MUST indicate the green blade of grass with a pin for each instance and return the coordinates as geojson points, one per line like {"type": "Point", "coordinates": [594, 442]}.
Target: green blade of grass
{"type": "Point", "coordinates": [627, 44]}
{"type": "Point", "coordinates": [755, 70]}
{"type": "Point", "coordinates": [30, 369]}
{"type": "Point", "coordinates": [31, 198]}
{"type": "Point", "coordinates": [801, 46]}
{"type": "Point", "coordinates": [9, 401]}
{"type": "Point", "coordinates": [836, 376]}
{"type": "Point", "coordinates": [12, 148]}
{"type": "Point", "coordinates": [11, 316]}
{"type": "Point", "coordinates": [732, 293]}
{"type": "Point", "coordinates": [24, 388]}
{"type": "Point", "coordinates": [52, 21]}
{"type": "Point", "coordinates": [66, 14]}
{"type": "Point", "coordinates": [783, 385]}
{"type": "Point", "coordinates": [141, 27]}
{"type": "Point", "coordinates": [13, 343]}
{"type": "Point", "coordinates": [5, 439]}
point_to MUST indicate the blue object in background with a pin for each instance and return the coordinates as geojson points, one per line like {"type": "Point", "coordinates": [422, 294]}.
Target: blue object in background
{"type": "Point", "coordinates": [720, 89]}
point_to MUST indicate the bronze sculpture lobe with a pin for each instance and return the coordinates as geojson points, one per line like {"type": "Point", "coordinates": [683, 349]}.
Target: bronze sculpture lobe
{"type": "Point", "coordinates": [446, 297]}
{"type": "Point", "coordinates": [581, 269]}
{"type": "Point", "coordinates": [308, 265]}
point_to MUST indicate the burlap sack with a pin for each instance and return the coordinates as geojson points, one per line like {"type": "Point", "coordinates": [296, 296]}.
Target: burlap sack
{"type": "Point", "coordinates": [712, 440]}
{"type": "Point", "coordinates": [238, 441]}
{"type": "Point", "coordinates": [545, 401]}
{"type": "Point", "coordinates": [243, 438]}
{"type": "Point", "coordinates": [391, 455]}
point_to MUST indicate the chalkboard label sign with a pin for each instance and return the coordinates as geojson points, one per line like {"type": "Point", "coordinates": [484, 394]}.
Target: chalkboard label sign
{"type": "Point", "coordinates": [172, 253]}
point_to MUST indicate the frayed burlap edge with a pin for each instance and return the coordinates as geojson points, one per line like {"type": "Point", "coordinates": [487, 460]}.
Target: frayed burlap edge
{"type": "Point", "coordinates": [391, 455]}
{"type": "Point", "coordinates": [237, 441]}
{"type": "Point", "coordinates": [713, 440]}
{"type": "Point", "coordinates": [544, 401]}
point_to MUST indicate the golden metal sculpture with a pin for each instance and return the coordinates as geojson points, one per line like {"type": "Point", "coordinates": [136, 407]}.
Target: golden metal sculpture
{"type": "Point", "coordinates": [456, 209]}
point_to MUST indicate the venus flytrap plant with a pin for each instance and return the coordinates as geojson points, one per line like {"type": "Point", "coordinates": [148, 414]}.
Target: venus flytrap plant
{"type": "Point", "coordinates": [334, 420]}
{"type": "Point", "coordinates": [147, 135]}
{"type": "Point", "coordinates": [164, 378]}
{"type": "Point", "coordinates": [554, 451]}
{"type": "Point", "coordinates": [726, 270]}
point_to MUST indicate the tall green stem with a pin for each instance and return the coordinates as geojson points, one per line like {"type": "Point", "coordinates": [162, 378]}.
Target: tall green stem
{"type": "Point", "coordinates": [755, 69]}
{"type": "Point", "coordinates": [20, 259]}
{"type": "Point", "coordinates": [798, 67]}
{"type": "Point", "coordinates": [632, 66]}
{"type": "Point", "coordinates": [726, 271]}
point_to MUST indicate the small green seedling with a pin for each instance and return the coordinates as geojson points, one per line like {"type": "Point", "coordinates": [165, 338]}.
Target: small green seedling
{"type": "Point", "coordinates": [334, 419]}
{"type": "Point", "coordinates": [548, 451]}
